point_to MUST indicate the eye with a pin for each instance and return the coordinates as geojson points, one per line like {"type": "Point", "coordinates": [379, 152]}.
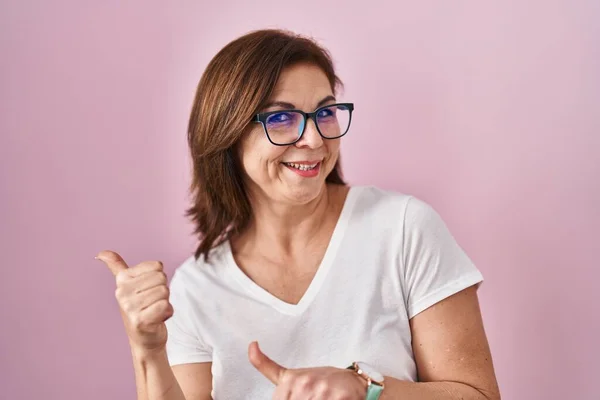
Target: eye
{"type": "Point", "coordinates": [326, 113]}
{"type": "Point", "coordinates": [280, 118]}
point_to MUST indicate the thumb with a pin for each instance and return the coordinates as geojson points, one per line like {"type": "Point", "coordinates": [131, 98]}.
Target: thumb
{"type": "Point", "coordinates": [113, 261]}
{"type": "Point", "coordinates": [269, 368]}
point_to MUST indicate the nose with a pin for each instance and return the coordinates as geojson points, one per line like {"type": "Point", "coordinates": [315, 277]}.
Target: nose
{"type": "Point", "coordinates": [311, 137]}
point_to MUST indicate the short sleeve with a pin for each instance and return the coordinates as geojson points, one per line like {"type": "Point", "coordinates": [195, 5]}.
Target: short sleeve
{"type": "Point", "coordinates": [184, 345]}
{"type": "Point", "coordinates": [434, 265]}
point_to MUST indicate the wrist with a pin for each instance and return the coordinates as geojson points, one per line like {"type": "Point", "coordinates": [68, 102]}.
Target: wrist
{"type": "Point", "coordinates": [360, 382]}
{"type": "Point", "coordinates": [373, 380]}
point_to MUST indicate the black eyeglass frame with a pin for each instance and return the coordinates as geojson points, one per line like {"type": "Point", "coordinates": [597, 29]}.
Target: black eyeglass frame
{"type": "Point", "coordinates": [262, 118]}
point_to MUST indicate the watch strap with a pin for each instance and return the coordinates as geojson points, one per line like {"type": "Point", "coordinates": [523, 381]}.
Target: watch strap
{"type": "Point", "coordinates": [374, 391]}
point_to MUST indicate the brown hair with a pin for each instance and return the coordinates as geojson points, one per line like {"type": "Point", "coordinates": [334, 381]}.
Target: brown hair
{"type": "Point", "coordinates": [236, 84]}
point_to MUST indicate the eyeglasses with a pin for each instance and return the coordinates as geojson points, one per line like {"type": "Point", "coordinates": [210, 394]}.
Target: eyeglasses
{"type": "Point", "coordinates": [285, 127]}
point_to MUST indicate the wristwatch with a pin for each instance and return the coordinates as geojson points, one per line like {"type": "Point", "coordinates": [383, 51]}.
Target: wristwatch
{"type": "Point", "coordinates": [374, 379]}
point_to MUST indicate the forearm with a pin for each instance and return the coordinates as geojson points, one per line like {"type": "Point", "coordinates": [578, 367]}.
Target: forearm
{"type": "Point", "coordinates": [396, 389]}
{"type": "Point", "coordinates": [154, 378]}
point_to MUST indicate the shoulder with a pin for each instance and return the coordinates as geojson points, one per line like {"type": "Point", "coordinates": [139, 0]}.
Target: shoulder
{"type": "Point", "coordinates": [372, 198]}
{"type": "Point", "coordinates": [391, 204]}
{"type": "Point", "coordinates": [389, 210]}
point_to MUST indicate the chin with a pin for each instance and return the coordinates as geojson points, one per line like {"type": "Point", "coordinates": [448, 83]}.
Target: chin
{"type": "Point", "coordinates": [294, 189]}
{"type": "Point", "coordinates": [305, 192]}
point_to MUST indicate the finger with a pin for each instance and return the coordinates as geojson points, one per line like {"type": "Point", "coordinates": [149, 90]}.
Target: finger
{"type": "Point", "coordinates": [156, 313]}
{"type": "Point", "coordinates": [147, 281]}
{"type": "Point", "coordinates": [269, 368]}
{"type": "Point", "coordinates": [152, 296]}
{"type": "Point", "coordinates": [283, 392]}
{"type": "Point", "coordinates": [113, 261]}
{"type": "Point", "coordinates": [145, 267]}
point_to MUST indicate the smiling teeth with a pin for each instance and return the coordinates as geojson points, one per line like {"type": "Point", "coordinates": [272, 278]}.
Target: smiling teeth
{"type": "Point", "coordinates": [302, 167]}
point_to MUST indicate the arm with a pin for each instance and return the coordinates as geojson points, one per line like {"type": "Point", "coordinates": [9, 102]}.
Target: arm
{"type": "Point", "coordinates": [143, 298]}
{"type": "Point", "coordinates": [195, 380]}
{"type": "Point", "coordinates": [156, 380]}
{"type": "Point", "coordinates": [452, 354]}
{"type": "Point", "coordinates": [451, 351]}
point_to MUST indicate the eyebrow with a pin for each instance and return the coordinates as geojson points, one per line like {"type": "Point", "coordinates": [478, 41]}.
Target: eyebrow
{"type": "Point", "coordinates": [289, 106]}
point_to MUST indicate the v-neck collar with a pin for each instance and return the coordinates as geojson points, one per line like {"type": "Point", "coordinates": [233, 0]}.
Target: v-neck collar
{"type": "Point", "coordinates": [320, 275]}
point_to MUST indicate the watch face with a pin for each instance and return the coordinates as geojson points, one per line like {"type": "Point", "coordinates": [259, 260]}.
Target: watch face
{"type": "Point", "coordinates": [370, 371]}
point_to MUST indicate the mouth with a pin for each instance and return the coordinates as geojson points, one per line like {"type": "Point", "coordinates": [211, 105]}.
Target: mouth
{"type": "Point", "coordinates": [305, 169]}
{"type": "Point", "coordinates": [302, 165]}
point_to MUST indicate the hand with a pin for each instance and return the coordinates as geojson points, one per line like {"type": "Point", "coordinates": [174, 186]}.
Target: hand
{"type": "Point", "coordinates": [143, 296]}
{"type": "Point", "coordinates": [308, 383]}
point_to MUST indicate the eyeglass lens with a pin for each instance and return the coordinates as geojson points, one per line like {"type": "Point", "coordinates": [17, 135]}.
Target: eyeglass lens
{"type": "Point", "coordinates": [287, 126]}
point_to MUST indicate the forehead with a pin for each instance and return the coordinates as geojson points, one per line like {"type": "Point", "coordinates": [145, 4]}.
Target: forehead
{"type": "Point", "coordinates": [302, 80]}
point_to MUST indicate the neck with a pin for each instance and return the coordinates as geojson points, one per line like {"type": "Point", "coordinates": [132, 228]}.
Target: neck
{"type": "Point", "coordinates": [284, 229]}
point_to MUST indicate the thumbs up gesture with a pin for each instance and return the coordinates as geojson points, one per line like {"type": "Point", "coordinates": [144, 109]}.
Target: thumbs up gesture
{"type": "Point", "coordinates": [323, 383]}
{"type": "Point", "coordinates": [143, 296]}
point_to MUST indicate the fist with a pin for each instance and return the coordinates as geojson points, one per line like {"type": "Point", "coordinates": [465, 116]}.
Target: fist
{"type": "Point", "coordinates": [308, 383]}
{"type": "Point", "coordinates": [143, 296]}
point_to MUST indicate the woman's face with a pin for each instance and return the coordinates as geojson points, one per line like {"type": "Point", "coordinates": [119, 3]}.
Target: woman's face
{"type": "Point", "coordinates": [282, 173]}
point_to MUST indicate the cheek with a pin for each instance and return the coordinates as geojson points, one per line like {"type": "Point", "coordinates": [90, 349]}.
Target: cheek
{"type": "Point", "coordinates": [333, 148]}
{"type": "Point", "coordinates": [260, 157]}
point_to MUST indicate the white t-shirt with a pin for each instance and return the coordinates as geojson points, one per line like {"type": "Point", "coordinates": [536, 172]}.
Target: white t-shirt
{"type": "Point", "coordinates": [390, 257]}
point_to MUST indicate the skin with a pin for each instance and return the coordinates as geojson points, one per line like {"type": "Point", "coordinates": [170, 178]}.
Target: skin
{"type": "Point", "coordinates": [281, 250]}
{"type": "Point", "coordinates": [294, 216]}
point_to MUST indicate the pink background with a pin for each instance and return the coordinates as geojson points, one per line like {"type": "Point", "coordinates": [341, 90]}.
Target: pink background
{"type": "Point", "coordinates": [487, 111]}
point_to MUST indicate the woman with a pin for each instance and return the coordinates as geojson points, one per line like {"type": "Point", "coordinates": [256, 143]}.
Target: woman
{"type": "Point", "coordinates": [352, 292]}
